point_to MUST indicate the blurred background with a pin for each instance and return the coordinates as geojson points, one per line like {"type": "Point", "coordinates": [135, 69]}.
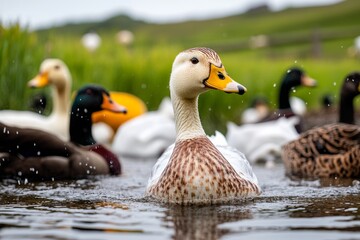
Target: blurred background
{"type": "Point", "coordinates": [129, 46]}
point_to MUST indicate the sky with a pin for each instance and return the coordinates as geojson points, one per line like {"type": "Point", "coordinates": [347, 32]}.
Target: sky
{"type": "Point", "coordinates": [45, 13]}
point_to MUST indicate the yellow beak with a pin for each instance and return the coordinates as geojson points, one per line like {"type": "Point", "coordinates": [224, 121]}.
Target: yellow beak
{"type": "Point", "coordinates": [220, 80]}
{"type": "Point", "coordinates": [40, 80]}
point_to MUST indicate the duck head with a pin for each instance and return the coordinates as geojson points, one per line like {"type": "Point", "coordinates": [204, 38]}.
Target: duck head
{"type": "Point", "coordinates": [297, 77]}
{"type": "Point", "coordinates": [93, 98]}
{"type": "Point", "coordinates": [351, 85]}
{"type": "Point", "coordinates": [52, 71]}
{"type": "Point", "coordinates": [197, 70]}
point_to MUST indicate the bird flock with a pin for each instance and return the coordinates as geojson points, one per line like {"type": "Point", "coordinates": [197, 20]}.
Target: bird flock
{"type": "Point", "coordinates": [90, 133]}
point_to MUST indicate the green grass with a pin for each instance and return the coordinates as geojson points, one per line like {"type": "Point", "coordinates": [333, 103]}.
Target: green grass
{"type": "Point", "coordinates": [144, 68]}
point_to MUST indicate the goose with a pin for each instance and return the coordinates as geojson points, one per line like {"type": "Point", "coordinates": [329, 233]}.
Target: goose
{"type": "Point", "coordinates": [331, 150]}
{"type": "Point", "coordinates": [35, 154]}
{"type": "Point", "coordinates": [148, 135]}
{"type": "Point", "coordinates": [196, 171]}
{"type": "Point", "coordinates": [55, 73]}
{"type": "Point", "coordinates": [293, 78]}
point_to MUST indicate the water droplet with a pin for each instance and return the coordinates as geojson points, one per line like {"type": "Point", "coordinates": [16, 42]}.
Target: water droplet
{"type": "Point", "coordinates": [17, 132]}
{"type": "Point", "coordinates": [295, 61]}
{"type": "Point", "coordinates": [26, 181]}
{"type": "Point", "coordinates": [288, 71]}
{"type": "Point", "coordinates": [87, 171]}
{"type": "Point", "coordinates": [32, 169]}
{"type": "Point", "coordinates": [19, 173]}
{"type": "Point", "coordinates": [4, 129]}
{"type": "Point", "coordinates": [38, 153]}
{"type": "Point", "coordinates": [229, 107]}
{"type": "Point", "coordinates": [334, 83]}
{"type": "Point", "coordinates": [209, 109]}
{"type": "Point", "coordinates": [85, 110]}
{"type": "Point", "coordinates": [274, 85]}
{"type": "Point", "coordinates": [34, 144]}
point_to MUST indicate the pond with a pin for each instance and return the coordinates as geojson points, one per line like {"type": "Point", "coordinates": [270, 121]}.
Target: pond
{"type": "Point", "coordinates": [115, 208]}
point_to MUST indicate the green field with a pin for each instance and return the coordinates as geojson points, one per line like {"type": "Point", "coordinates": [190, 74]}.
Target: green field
{"type": "Point", "coordinates": [319, 39]}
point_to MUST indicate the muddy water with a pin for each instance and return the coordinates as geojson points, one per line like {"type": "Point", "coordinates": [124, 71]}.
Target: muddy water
{"type": "Point", "coordinates": [114, 208]}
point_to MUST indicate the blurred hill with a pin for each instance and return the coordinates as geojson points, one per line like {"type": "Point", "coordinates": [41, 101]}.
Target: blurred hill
{"type": "Point", "coordinates": [259, 27]}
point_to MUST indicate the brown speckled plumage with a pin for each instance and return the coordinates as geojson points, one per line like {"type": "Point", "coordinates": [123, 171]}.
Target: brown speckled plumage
{"type": "Point", "coordinates": [210, 54]}
{"type": "Point", "coordinates": [198, 173]}
{"type": "Point", "coordinates": [329, 151]}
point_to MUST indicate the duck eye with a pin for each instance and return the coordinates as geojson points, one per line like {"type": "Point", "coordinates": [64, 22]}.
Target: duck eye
{"type": "Point", "coordinates": [57, 67]}
{"type": "Point", "coordinates": [194, 60]}
{"type": "Point", "coordinates": [221, 76]}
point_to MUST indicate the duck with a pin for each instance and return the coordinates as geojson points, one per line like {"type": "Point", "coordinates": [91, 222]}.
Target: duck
{"type": "Point", "coordinates": [146, 136]}
{"type": "Point", "coordinates": [88, 100]}
{"type": "Point", "coordinates": [264, 145]}
{"type": "Point", "coordinates": [38, 155]}
{"type": "Point", "coordinates": [197, 172]}
{"type": "Point", "coordinates": [106, 123]}
{"type": "Point", "coordinates": [277, 128]}
{"type": "Point", "coordinates": [331, 150]}
{"type": "Point", "coordinates": [54, 73]}
{"type": "Point", "coordinates": [259, 109]}
{"type": "Point", "coordinates": [293, 78]}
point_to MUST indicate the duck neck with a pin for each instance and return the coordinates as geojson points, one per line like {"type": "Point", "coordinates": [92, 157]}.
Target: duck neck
{"type": "Point", "coordinates": [187, 119]}
{"type": "Point", "coordinates": [346, 109]}
{"type": "Point", "coordinates": [284, 96]}
{"type": "Point", "coordinates": [80, 127]}
{"type": "Point", "coordinates": [61, 101]}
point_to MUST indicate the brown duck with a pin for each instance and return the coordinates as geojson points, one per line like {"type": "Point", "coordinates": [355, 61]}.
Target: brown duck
{"type": "Point", "coordinates": [38, 155]}
{"type": "Point", "coordinates": [332, 150]}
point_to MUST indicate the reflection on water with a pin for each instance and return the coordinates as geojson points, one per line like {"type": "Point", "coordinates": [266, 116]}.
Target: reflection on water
{"type": "Point", "coordinates": [114, 208]}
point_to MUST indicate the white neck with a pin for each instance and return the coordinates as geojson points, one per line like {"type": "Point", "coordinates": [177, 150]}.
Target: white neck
{"type": "Point", "coordinates": [187, 119]}
{"type": "Point", "coordinates": [61, 101]}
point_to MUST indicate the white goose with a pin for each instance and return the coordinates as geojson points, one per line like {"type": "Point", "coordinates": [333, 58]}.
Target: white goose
{"type": "Point", "coordinates": [196, 171]}
{"type": "Point", "coordinates": [55, 73]}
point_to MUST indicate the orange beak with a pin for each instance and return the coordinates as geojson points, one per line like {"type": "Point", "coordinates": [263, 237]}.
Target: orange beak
{"type": "Point", "coordinates": [110, 105]}
{"type": "Point", "coordinates": [41, 80]}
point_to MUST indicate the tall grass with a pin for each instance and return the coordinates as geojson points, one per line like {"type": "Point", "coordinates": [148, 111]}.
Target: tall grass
{"type": "Point", "coordinates": [18, 60]}
{"type": "Point", "coordinates": [144, 71]}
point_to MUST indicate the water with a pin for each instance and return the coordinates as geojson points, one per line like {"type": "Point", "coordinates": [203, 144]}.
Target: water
{"type": "Point", "coordinates": [114, 208]}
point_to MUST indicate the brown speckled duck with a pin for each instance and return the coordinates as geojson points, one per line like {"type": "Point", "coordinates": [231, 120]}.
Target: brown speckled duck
{"type": "Point", "coordinates": [195, 170]}
{"type": "Point", "coordinates": [332, 150]}
{"type": "Point", "coordinates": [37, 155]}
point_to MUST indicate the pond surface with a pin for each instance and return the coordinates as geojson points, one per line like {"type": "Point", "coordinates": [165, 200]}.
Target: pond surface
{"type": "Point", "coordinates": [114, 208]}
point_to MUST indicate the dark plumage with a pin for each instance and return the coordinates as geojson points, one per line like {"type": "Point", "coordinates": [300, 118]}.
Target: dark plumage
{"type": "Point", "coordinates": [88, 100]}
{"type": "Point", "coordinates": [293, 78]}
{"type": "Point", "coordinates": [332, 150]}
{"type": "Point", "coordinates": [38, 155]}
